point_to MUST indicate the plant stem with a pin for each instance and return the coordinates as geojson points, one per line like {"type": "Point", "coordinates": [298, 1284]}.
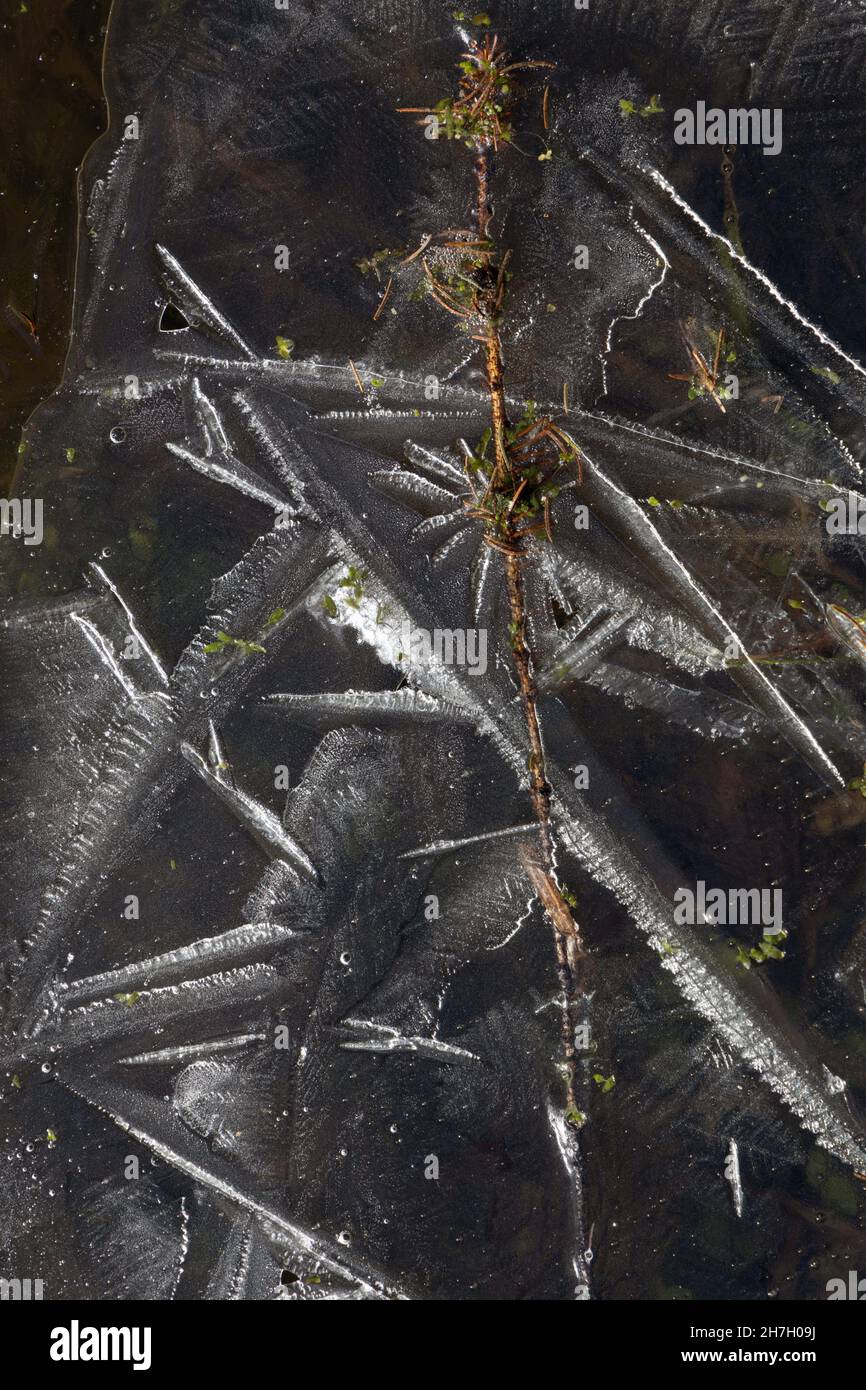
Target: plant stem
{"type": "Point", "coordinates": [479, 116]}
{"type": "Point", "coordinates": [565, 931]}
{"type": "Point", "coordinates": [568, 947]}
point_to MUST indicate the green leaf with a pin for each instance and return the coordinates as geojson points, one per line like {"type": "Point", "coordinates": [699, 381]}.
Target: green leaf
{"type": "Point", "coordinates": [778, 564]}
{"type": "Point", "coordinates": [828, 373]}
{"type": "Point", "coordinates": [771, 950]}
{"type": "Point", "coordinates": [329, 606]}
{"type": "Point", "coordinates": [275, 616]}
{"type": "Point", "coordinates": [285, 347]}
{"type": "Point", "coordinates": [859, 783]}
{"type": "Point", "coordinates": [653, 107]}
{"type": "Point", "coordinates": [606, 1083]}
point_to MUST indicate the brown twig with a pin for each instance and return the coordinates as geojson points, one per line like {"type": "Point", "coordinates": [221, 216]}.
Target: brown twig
{"type": "Point", "coordinates": [539, 445]}
{"type": "Point", "coordinates": [384, 299]}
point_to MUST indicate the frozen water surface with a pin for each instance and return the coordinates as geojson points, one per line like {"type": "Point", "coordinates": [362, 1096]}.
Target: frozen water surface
{"type": "Point", "coordinates": [280, 1014]}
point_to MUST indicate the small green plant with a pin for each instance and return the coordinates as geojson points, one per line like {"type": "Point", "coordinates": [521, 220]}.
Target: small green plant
{"type": "Point", "coordinates": [705, 379]}
{"type": "Point", "coordinates": [765, 950]}
{"type": "Point", "coordinates": [225, 639]}
{"type": "Point", "coordinates": [516, 468]}
{"type": "Point", "coordinates": [128, 999]}
{"type": "Point", "coordinates": [536, 452]}
{"type": "Point", "coordinates": [858, 784]}
{"type": "Point", "coordinates": [353, 581]}
{"type": "Point", "coordinates": [480, 114]}
{"type": "Point", "coordinates": [605, 1083]}
{"type": "Point", "coordinates": [372, 264]}
{"type": "Point", "coordinates": [651, 108]}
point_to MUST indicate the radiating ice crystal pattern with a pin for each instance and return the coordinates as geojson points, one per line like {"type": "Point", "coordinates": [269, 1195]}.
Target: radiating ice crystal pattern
{"type": "Point", "coordinates": [280, 1018]}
